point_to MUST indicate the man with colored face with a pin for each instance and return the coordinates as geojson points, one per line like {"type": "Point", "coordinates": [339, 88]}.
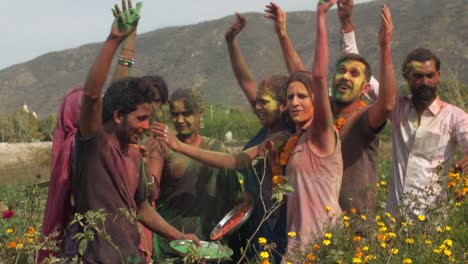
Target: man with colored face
{"type": "Point", "coordinates": [357, 123]}
{"type": "Point", "coordinates": [426, 131]}
{"type": "Point", "coordinates": [105, 168]}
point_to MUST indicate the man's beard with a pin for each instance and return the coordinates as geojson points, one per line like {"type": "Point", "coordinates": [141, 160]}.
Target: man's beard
{"type": "Point", "coordinates": [423, 95]}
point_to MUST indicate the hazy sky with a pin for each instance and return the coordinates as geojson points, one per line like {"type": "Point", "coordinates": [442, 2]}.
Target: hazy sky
{"type": "Point", "coordinates": [31, 28]}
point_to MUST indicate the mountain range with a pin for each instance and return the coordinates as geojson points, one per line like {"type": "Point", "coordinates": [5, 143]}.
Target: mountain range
{"type": "Point", "coordinates": [196, 55]}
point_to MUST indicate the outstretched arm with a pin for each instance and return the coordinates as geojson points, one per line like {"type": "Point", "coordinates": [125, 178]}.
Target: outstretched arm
{"type": "Point", "coordinates": [291, 58]}
{"type": "Point", "coordinates": [348, 40]}
{"type": "Point", "coordinates": [91, 106]}
{"type": "Point", "coordinates": [379, 111]}
{"type": "Point", "coordinates": [322, 125]}
{"type": "Point", "coordinates": [126, 59]}
{"type": "Point", "coordinates": [211, 158]}
{"type": "Point", "coordinates": [240, 68]}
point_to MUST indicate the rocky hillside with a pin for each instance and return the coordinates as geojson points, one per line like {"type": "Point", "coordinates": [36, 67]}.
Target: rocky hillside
{"type": "Point", "coordinates": [196, 55]}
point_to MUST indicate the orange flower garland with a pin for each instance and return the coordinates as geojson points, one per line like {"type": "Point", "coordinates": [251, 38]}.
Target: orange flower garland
{"type": "Point", "coordinates": [340, 121]}
{"type": "Point", "coordinates": [283, 161]}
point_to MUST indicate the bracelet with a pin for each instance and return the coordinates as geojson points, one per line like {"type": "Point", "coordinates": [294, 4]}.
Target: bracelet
{"type": "Point", "coordinates": [127, 62]}
{"type": "Point", "coordinates": [152, 181]}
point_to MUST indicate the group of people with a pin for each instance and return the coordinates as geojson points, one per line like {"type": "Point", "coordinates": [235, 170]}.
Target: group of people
{"type": "Point", "coordinates": [179, 185]}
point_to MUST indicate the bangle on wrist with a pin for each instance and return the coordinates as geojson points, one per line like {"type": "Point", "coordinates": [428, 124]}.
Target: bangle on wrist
{"type": "Point", "coordinates": [124, 61]}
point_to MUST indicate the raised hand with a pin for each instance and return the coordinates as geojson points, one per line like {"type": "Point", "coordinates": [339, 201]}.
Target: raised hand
{"type": "Point", "coordinates": [235, 28]}
{"type": "Point", "coordinates": [345, 11]}
{"type": "Point", "coordinates": [275, 13]}
{"type": "Point", "coordinates": [386, 27]}
{"type": "Point", "coordinates": [126, 20]}
{"type": "Point", "coordinates": [162, 132]}
{"type": "Point", "coordinates": [324, 5]}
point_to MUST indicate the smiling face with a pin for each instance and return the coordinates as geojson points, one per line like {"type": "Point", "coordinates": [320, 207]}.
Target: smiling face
{"type": "Point", "coordinates": [299, 103]}
{"type": "Point", "coordinates": [267, 108]}
{"type": "Point", "coordinates": [185, 121]}
{"type": "Point", "coordinates": [131, 126]}
{"type": "Point", "coordinates": [349, 82]}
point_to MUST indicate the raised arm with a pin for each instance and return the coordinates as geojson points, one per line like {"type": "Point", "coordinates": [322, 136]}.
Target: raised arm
{"type": "Point", "coordinates": [291, 58]}
{"type": "Point", "coordinates": [379, 111]}
{"type": "Point", "coordinates": [91, 106]}
{"type": "Point", "coordinates": [322, 125]}
{"type": "Point", "coordinates": [348, 40]}
{"type": "Point", "coordinates": [211, 158]}
{"type": "Point", "coordinates": [126, 58]}
{"type": "Point", "coordinates": [240, 68]}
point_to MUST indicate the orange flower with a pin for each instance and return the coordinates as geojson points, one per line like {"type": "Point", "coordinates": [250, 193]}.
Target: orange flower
{"type": "Point", "coordinates": [311, 257]}
{"type": "Point", "coordinates": [316, 247]}
{"type": "Point", "coordinates": [287, 150]}
{"type": "Point", "coordinates": [362, 103]}
{"type": "Point", "coordinates": [277, 179]}
{"type": "Point", "coordinates": [339, 123]}
{"type": "Point", "coordinates": [357, 239]}
{"type": "Point", "coordinates": [11, 244]}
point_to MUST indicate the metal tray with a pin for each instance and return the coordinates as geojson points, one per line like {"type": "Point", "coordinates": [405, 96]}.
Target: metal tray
{"type": "Point", "coordinates": [207, 250]}
{"type": "Point", "coordinates": [245, 207]}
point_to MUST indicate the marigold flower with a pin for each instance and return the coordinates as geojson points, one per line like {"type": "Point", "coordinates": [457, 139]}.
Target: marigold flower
{"type": "Point", "coordinates": [262, 240]}
{"type": "Point", "coordinates": [382, 237]}
{"type": "Point", "coordinates": [382, 229]}
{"type": "Point", "coordinates": [291, 234]}
{"type": "Point", "coordinates": [328, 235]}
{"type": "Point", "coordinates": [30, 240]}
{"type": "Point", "coordinates": [357, 260]}
{"type": "Point", "coordinates": [31, 230]}
{"type": "Point", "coordinates": [339, 122]}
{"type": "Point", "coordinates": [383, 183]}
{"type": "Point", "coordinates": [11, 245]}
{"type": "Point", "coordinates": [365, 248]}
{"type": "Point", "coordinates": [447, 252]}
{"type": "Point", "coordinates": [363, 217]}
{"type": "Point", "coordinates": [326, 242]}
{"type": "Point", "coordinates": [457, 204]}
{"type": "Point", "coordinates": [9, 230]}
{"type": "Point", "coordinates": [383, 245]}
{"type": "Point", "coordinates": [440, 230]}
{"type": "Point", "coordinates": [277, 179]}
{"type": "Point", "coordinates": [345, 218]}
{"type": "Point", "coordinates": [19, 246]}
{"type": "Point", "coordinates": [328, 208]}
{"type": "Point", "coordinates": [353, 210]}
{"type": "Point", "coordinates": [311, 257]}
{"type": "Point", "coordinates": [369, 257]}
{"type": "Point", "coordinates": [264, 255]}
{"type": "Point", "coordinates": [377, 218]}
{"type": "Point", "coordinates": [437, 251]}
{"type": "Point", "coordinates": [265, 261]}
{"type": "Point", "coordinates": [409, 241]}
{"type": "Point", "coordinates": [393, 219]}
{"type": "Point", "coordinates": [421, 218]}
{"type": "Point", "coordinates": [407, 261]}
{"type": "Point", "coordinates": [394, 251]}
{"type": "Point", "coordinates": [316, 247]}
{"type": "Point", "coordinates": [448, 228]}
{"type": "Point", "coordinates": [387, 214]}
{"type": "Point", "coordinates": [380, 223]}
{"type": "Point", "coordinates": [346, 224]}
{"type": "Point", "coordinates": [8, 214]}
{"type": "Point", "coordinates": [357, 239]}
{"type": "Point", "coordinates": [427, 242]}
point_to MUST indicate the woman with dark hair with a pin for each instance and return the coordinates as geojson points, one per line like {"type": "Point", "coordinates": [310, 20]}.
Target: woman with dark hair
{"type": "Point", "coordinates": [192, 196]}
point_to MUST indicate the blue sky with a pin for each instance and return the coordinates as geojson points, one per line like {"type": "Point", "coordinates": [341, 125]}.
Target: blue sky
{"type": "Point", "coordinates": [32, 28]}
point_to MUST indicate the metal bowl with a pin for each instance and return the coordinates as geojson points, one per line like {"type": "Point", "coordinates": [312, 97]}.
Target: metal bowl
{"type": "Point", "coordinates": [207, 250]}
{"type": "Point", "coordinates": [245, 207]}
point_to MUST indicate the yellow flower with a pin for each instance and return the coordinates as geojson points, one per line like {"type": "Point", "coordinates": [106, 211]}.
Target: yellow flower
{"type": "Point", "coordinates": [369, 257]}
{"type": "Point", "coordinates": [357, 260]}
{"type": "Point", "coordinates": [326, 242]}
{"type": "Point", "coordinates": [363, 217]}
{"type": "Point", "coordinates": [365, 248]}
{"type": "Point", "coordinates": [387, 214]}
{"type": "Point", "coordinates": [328, 208]}
{"type": "Point", "coordinates": [262, 240]}
{"type": "Point", "coordinates": [380, 223]}
{"type": "Point", "coordinates": [403, 223]}
{"type": "Point", "coordinates": [9, 230]}
{"type": "Point", "coordinates": [19, 246]}
{"type": "Point", "coordinates": [393, 219]}
{"type": "Point", "coordinates": [357, 239]}
{"type": "Point", "coordinates": [383, 183]}
{"type": "Point", "coordinates": [448, 228]}
{"type": "Point", "coordinates": [328, 235]}
{"type": "Point", "coordinates": [383, 245]}
{"type": "Point", "coordinates": [437, 251]}
{"type": "Point", "coordinates": [409, 241]}
{"type": "Point", "coordinates": [291, 234]}
{"type": "Point", "coordinates": [428, 242]}
{"type": "Point", "coordinates": [30, 240]}
{"type": "Point", "coordinates": [264, 255]}
{"type": "Point", "coordinates": [407, 261]}
{"type": "Point", "coordinates": [447, 252]}
{"type": "Point", "coordinates": [421, 218]}
{"type": "Point", "coordinates": [391, 235]}
{"type": "Point", "coordinates": [345, 218]}
{"type": "Point", "coordinates": [458, 204]}
{"type": "Point", "coordinates": [382, 229]}
{"type": "Point", "coordinates": [448, 242]}
{"type": "Point", "coordinates": [394, 251]}
{"type": "Point", "coordinates": [440, 230]}
{"type": "Point", "coordinates": [346, 224]}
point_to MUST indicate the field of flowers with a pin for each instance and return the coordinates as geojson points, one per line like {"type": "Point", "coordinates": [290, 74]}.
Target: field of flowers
{"type": "Point", "coordinates": [440, 237]}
